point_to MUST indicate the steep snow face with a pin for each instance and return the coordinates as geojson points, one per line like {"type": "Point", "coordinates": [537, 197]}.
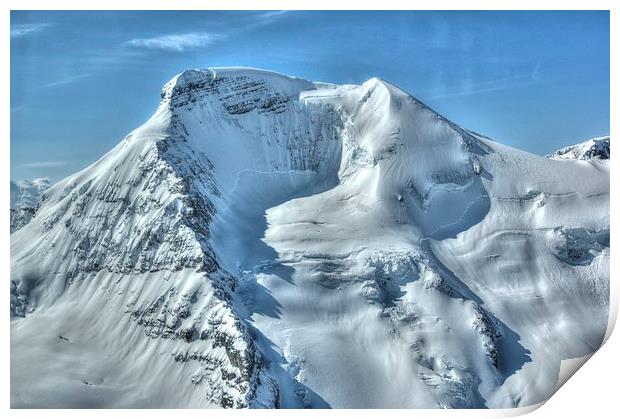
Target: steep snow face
{"type": "Point", "coordinates": [130, 236]}
{"type": "Point", "coordinates": [594, 148]}
{"type": "Point", "coordinates": [25, 197]}
{"type": "Point", "coordinates": [252, 120]}
{"type": "Point", "coordinates": [266, 241]}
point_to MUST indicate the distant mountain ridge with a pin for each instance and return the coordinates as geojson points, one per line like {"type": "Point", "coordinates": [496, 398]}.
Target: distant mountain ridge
{"type": "Point", "coordinates": [25, 197]}
{"type": "Point", "coordinates": [28, 193]}
{"type": "Point", "coordinates": [594, 148]}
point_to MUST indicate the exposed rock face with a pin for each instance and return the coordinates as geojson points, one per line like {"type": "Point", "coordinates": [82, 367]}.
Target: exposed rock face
{"type": "Point", "coordinates": [266, 241]}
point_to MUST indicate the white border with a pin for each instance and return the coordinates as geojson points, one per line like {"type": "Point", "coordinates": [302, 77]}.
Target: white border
{"type": "Point", "coordinates": [591, 393]}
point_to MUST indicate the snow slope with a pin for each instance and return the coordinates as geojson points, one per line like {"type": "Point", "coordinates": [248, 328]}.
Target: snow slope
{"type": "Point", "coordinates": [266, 241]}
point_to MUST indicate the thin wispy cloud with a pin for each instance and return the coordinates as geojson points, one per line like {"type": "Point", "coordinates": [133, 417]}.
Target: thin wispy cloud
{"type": "Point", "coordinates": [176, 42]}
{"type": "Point", "coordinates": [28, 29]}
{"type": "Point", "coordinates": [272, 14]}
{"type": "Point", "coordinates": [180, 42]}
{"type": "Point", "coordinates": [468, 87]}
{"type": "Point", "coordinates": [260, 19]}
{"type": "Point", "coordinates": [66, 80]}
{"type": "Point", "coordinates": [43, 164]}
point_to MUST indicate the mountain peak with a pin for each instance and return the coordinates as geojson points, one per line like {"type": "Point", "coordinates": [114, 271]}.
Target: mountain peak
{"type": "Point", "coordinates": [222, 254]}
{"type": "Point", "coordinates": [230, 78]}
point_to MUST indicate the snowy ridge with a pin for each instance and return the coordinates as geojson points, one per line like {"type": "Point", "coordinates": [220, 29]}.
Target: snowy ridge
{"type": "Point", "coordinates": [266, 241]}
{"type": "Point", "coordinates": [143, 210]}
{"type": "Point", "coordinates": [594, 148]}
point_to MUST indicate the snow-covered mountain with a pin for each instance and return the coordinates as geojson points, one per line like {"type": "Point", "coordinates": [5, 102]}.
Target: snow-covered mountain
{"type": "Point", "coordinates": [266, 241]}
{"type": "Point", "coordinates": [25, 197]}
{"type": "Point", "coordinates": [594, 148]}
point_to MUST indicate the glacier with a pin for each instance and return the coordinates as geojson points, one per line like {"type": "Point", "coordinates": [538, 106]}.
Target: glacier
{"type": "Point", "coordinates": [264, 241]}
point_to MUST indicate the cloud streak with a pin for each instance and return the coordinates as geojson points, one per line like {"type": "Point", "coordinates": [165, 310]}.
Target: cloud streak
{"type": "Point", "coordinates": [18, 31]}
{"type": "Point", "coordinates": [272, 14]}
{"type": "Point", "coordinates": [468, 87]}
{"type": "Point", "coordinates": [43, 164]}
{"type": "Point", "coordinates": [66, 80]}
{"type": "Point", "coordinates": [180, 42]}
{"type": "Point", "coordinates": [176, 42]}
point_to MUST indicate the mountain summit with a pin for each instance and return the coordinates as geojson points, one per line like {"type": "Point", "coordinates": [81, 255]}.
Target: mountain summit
{"type": "Point", "coordinates": [267, 241]}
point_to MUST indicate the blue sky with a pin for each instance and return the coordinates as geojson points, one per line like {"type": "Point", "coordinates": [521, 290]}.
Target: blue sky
{"type": "Point", "coordinates": [80, 81]}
